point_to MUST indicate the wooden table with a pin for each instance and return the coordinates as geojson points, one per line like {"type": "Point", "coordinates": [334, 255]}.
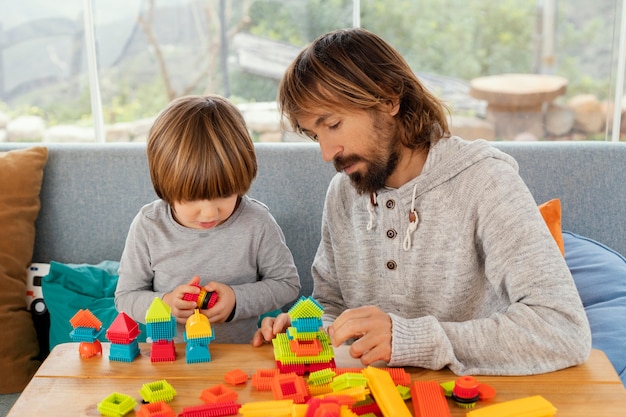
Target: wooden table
{"type": "Point", "coordinates": [67, 385]}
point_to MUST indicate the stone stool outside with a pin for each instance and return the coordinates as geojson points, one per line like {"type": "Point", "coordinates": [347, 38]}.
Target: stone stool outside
{"type": "Point", "coordinates": [515, 102]}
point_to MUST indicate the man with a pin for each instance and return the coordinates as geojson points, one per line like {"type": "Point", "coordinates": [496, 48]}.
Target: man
{"type": "Point", "coordinates": [433, 251]}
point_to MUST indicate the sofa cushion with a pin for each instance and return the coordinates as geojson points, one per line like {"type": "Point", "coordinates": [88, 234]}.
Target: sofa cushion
{"type": "Point", "coordinates": [21, 173]}
{"type": "Point", "coordinates": [600, 276]}
{"type": "Point", "coordinates": [71, 287]}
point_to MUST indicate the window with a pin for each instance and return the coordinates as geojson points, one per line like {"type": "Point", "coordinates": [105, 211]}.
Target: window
{"type": "Point", "coordinates": [508, 69]}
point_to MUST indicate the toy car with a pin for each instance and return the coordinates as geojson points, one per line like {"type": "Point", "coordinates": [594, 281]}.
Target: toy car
{"type": "Point", "coordinates": [34, 293]}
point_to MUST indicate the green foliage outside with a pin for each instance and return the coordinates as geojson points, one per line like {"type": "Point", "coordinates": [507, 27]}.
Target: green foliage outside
{"type": "Point", "coordinates": [462, 39]}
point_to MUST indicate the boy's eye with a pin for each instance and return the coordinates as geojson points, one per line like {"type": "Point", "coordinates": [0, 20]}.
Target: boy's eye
{"type": "Point", "coordinates": [335, 126]}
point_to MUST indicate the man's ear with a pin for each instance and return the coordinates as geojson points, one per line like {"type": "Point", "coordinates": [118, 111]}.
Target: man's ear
{"type": "Point", "coordinates": [392, 106]}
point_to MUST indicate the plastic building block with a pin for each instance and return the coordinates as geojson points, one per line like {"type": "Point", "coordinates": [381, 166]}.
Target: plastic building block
{"type": "Point", "coordinates": [262, 379]}
{"type": "Point", "coordinates": [158, 311]}
{"type": "Point", "coordinates": [535, 406]}
{"type": "Point", "coordinates": [370, 408]}
{"type": "Point", "coordinates": [85, 334]}
{"type": "Point", "coordinates": [307, 324]}
{"type": "Point", "coordinates": [162, 330]}
{"type": "Point", "coordinates": [385, 393]}
{"type": "Point", "coordinates": [236, 377]}
{"type": "Point", "coordinates": [311, 347]}
{"type": "Point", "coordinates": [123, 330]}
{"type": "Point", "coordinates": [197, 326]}
{"type": "Point", "coordinates": [325, 376]}
{"type": "Point", "coordinates": [197, 353]}
{"type": "Point", "coordinates": [355, 394]}
{"type": "Point", "coordinates": [399, 376]}
{"type": "Point", "coordinates": [157, 409]}
{"type": "Point", "coordinates": [85, 318]}
{"type": "Point", "coordinates": [163, 351]}
{"type": "Point", "coordinates": [302, 369]}
{"type": "Point", "coordinates": [429, 399]}
{"type": "Point", "coordinates": [157, 391]}
{"type": "Point", "coordinates": [124, 352]}
{"type": "Point", "coordinates": [290, 386]}
{"type": "Point", "coordinates": [277, 408]}
{"type": "Point", "coordinates": [116, 405]}
{"type": "Point", "coordinates": [285, 355]}
{"type": "Point", "coordinates": [486, 392]}
{"type": "Point", "coordinates": [228, 408]}
{"type": "Point", "coordinates": [319, 390]}
{"type": "Point", "coordinates": [348, 380]}
{"type": "Point", "coordinates": [465, 392]}
{"type": "Point", "coordinates": [204, 299]}
{"type": "Point", "coordinates": [405, 392]}
{"type": "Point", "coordinates": [305, 307]}
{"type": "Point", "coordinates": [89, 349]}
{"type": "Point", "coordinates": [218, 394]}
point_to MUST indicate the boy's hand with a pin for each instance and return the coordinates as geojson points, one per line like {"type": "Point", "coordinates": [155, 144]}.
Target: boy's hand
{"type": "Point", "coordinates": [182, 309]}
{"type": "Point", "coordinates": [225, 302]}
{"type": "Point", "coordinates": [270, 327]}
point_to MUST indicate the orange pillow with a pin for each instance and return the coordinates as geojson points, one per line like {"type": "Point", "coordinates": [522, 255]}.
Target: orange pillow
{"type": "Point", "coordinates": [551, 212]}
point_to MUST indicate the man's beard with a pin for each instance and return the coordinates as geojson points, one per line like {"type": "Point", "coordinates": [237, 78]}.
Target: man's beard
{"type": "Point", "coordinates": [376, 174]}
{"type": "Point", "coordinates": [379, 166]}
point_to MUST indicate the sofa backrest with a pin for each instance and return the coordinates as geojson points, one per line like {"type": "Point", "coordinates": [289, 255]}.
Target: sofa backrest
{"type": "Point", "coordinates": [91, 192]}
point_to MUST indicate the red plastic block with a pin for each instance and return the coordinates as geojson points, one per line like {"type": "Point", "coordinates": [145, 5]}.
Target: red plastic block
{"type": "Point", "coordinates": [218, 394]}
{"type": "Point", "coordinates": [229, 408]}
{"type": "Point", "coordinates": [236, 377]}
{"type": "Point", "coordinates": [163, 351]}
{"type": "Point", "coordinates": [123, 330]}
{"type": "Point", "coordinates": [429, 399]}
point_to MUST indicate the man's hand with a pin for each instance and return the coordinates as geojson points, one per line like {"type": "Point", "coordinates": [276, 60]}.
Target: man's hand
{"type": "Point", "coordinates": [270, 327]}
{"type": "Point", "coordinates": [371, 329]}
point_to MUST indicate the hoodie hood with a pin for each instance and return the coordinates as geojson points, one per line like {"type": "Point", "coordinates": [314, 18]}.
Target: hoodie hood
{"type": "Point", "coordinates": [446, 159]}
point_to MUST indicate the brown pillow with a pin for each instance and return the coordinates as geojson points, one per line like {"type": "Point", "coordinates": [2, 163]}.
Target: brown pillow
{"type": "Point", "coordinates": [21, 173]}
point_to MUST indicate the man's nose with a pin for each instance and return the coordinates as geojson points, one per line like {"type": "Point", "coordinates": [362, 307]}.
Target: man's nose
{"type": "Point", "coordinates": [329, 149]}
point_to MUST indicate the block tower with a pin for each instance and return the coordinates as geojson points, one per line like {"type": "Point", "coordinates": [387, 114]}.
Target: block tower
{"type": "Point", "coordinates": [304, 347]}
{"type": "Point", "coordinates": [161, 329]}
{"type": "Point", "coordinates": [122, 334]}
{"type": "Point", "coordinates": [198, 335]}
{"type": "Point", "coordinates": [87, 329]}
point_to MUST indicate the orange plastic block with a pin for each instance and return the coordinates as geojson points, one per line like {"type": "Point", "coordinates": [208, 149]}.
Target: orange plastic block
{"type": "Point", "coordinates": [290, 386]}
{"type": "Point", "coordinates": [385, 393]}
{"type": "Point", "coordinates": [85, 318]}
{"type": "Point", "coordinates": [399, 376]}
{"type": "Point", "coordinates": [157, 409]}
{"type": "Point", "coordinates": [90, 349]}
{"type": "Point", "coordinates": [236, 377]}
{"type": "Point", "coordinates": [311, 347]}
{"type": "Point", "coordinates": [262, 379]}
{"type": "Point", "coordinates": [218, 394]}
{"type": "Point", "coordinates": [429, 399]}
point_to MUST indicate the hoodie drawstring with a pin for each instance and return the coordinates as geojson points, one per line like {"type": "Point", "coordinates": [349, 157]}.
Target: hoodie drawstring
{"type": "Point", "coordinates": [412, 222]}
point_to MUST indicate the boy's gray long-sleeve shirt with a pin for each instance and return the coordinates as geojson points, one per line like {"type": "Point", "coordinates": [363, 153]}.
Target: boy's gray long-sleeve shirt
{"type": "Point", "coordinates": [483, 288]}
{"type": "Point", "coordinates": [247, 252]}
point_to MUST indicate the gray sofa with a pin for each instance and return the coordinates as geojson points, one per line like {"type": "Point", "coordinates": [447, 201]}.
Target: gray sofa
{"type": "Point", "coordinates": [91, 192]}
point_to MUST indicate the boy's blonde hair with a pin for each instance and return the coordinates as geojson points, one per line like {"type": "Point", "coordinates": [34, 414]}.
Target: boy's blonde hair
{"type": "Point", "coordinates": [199, 149]}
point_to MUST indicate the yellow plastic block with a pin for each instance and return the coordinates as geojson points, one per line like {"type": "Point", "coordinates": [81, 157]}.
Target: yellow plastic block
{"type": "Point", "coordinates": [198, 326]}
{"type": "Point", "coordinates": [276, 408]}
{"type": "Point", "coordinates": [385, 393]}
{"type": "Point", "coordinates": [535, 406]}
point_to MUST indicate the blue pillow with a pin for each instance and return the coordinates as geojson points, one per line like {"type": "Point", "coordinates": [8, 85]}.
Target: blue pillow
{"type": "Point", "coordinates": [71, 287]}
{"type": "Point", "coordinates": [600, 276]}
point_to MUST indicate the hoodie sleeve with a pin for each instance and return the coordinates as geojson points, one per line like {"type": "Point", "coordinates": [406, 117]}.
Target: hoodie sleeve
{"type": "Point", "coordinates": [542, 326]}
